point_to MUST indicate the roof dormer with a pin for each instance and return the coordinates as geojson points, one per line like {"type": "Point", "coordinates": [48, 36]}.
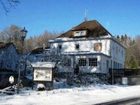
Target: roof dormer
{"type": "Point", "coordinates": [80, 33]}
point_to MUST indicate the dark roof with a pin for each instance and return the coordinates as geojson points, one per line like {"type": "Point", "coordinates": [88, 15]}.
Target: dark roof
{"type": "Point", "coordinates": [38, 50]}
{"type": "Point", "coordinates": [7, 70]}
{"type": "Point", "coordinates": [93, 27]}
{"type": "Point", "coordinates": [5, 45]}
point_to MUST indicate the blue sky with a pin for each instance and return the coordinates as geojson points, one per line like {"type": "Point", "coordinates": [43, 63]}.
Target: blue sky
{"type": "Point", "coordinates": [117, 16]}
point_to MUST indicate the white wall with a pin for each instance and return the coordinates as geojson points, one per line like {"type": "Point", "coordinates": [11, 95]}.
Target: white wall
{"type": "Point", "coordinates": [117, 53]}
{"type": "Point", "coordinates": [104, 67]}
{"type": "Point", "coordinates": [100, 68]}
{"type": "Point", "coordinates": [110, 48]}
{"type": "Point", "coordinates": [85, 46]}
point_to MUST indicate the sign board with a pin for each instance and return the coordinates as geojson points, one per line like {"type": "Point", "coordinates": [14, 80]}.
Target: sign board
{"type": "Point", "coordinates": [42, 74]}
{"type": "Point", "coordinates": [11, 79]}
{"type": "Point", "coordinates": [124, 80]}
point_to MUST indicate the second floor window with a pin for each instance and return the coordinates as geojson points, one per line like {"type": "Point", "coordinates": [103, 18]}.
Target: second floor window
{"type": "Point", "coordinates": [59, 46]}
{"type": "Point", "coordinates": [77, 46]}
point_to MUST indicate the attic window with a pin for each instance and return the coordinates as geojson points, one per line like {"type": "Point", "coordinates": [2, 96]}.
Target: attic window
{"type": "Point", "coordinates": [80, 33]}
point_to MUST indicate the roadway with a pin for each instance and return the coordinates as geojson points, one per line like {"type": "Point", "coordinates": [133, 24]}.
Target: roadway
{"type": "Point", "coordinates": [127, 101]}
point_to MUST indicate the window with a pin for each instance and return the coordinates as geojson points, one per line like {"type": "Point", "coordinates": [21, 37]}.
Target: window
{"type": "Point", "coordinates": [77, 46]}
{"type": "Point", "coordinates": [122, 53]}
{"type": "Point", "coordinates": [111, 64]}
{"type": "Point", "coordinates": [98, 46]}
{"type": "Point", "coordinates": [107, 64]}
{"type": "Point", "coordinates": [119, 65]}
{"type": "Point", "coordinates": [82, 62]}
{"type": "Point", "coordinates": [80, 33]}
{"type": "Point", "coordinates": [117, 50]}
{"type": "Point", "coordinates": [114, 64]}
{"type": "Point", "coordinates": [92, 61]}
{"type": "Point", "coordinates": [59, 46]}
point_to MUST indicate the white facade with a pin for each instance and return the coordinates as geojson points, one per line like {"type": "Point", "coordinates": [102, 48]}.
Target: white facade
{"type": "Point", "coordinates": [111, 51]}
{"type": "Point", "coordinates": [91, 54]}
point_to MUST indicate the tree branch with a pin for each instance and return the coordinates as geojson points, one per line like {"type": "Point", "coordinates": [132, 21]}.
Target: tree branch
{"type": "Point", "coordinates": [6, 3]}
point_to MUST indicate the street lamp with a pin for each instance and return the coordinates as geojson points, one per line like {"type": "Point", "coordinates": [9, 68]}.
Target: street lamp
{"type": "Point", "coordinates": [23, 36]}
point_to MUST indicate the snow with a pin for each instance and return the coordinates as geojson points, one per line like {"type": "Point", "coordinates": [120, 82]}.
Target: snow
{"type": "Point", "coordinates": [43, 64]}
{"type": "Point", "coordinates": [72, 96]}
{"type": "Point", "coordinates": [40, 86]}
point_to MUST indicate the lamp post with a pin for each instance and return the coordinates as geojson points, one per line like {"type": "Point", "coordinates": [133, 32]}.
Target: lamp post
{"type": "Point", "coordinates": [23, 36]}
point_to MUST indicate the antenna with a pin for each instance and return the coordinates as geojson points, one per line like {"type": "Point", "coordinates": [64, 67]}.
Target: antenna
{"type": "Point", "coordinates": [85, 17]}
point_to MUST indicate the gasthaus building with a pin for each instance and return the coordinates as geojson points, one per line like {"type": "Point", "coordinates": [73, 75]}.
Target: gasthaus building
{"type": "Point", "coordinates": [90, 48]}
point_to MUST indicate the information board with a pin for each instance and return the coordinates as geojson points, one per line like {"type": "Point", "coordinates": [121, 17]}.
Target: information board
{"type": "Point", "coordinates": [42, 74]}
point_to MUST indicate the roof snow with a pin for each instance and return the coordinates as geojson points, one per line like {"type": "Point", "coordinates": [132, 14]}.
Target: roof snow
{"type": "Point", "coordinates": [44, 64]}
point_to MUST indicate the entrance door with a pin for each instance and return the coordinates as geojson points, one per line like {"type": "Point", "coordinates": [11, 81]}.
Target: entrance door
{"type": "Point", "coordinates": [76, 70]}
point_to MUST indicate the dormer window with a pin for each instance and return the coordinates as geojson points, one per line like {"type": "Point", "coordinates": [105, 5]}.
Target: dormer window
{"type": "Point", "coordinates": [80, 33]}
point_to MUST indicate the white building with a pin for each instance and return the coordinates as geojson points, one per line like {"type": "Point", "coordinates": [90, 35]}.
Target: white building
{"type": "Point", "coordinates": [90, 48]}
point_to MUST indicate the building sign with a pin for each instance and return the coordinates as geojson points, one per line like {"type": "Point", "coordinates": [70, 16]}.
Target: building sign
{"type": "Point", "coordinates": [11, 79]}
{"type": "Point", "coordinates": [42, 74]}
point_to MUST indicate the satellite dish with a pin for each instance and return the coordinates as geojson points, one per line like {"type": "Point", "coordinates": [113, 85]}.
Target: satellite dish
{"type": "Point", "coordinates": [11, 79]}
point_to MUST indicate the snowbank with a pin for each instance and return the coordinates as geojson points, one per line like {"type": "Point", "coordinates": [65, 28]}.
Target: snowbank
{"type": "Point", "coordinates": [72, 96]}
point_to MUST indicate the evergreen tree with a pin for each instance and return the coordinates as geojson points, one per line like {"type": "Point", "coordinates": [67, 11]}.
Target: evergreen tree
{"type": "Point", "coordinates": [133, 62]}
{"type": "Point", "coordinates": [118, 37]}
{"type": "Point", "coordinates": [122, 38]}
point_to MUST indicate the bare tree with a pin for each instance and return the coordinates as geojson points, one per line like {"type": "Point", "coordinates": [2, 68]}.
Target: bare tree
{"type": "Point", "coordinates": [39, 40]}
{"type": "Point", "coordinates": [12, 34]}
{"type": "Point", "coordinates": [8, 4]}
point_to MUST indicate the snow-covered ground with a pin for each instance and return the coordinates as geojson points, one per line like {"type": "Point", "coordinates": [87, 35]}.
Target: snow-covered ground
{"type": "Point", "coordinates": [71, 96]}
